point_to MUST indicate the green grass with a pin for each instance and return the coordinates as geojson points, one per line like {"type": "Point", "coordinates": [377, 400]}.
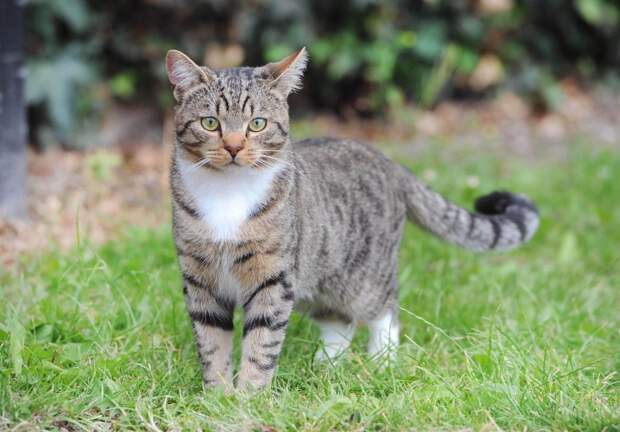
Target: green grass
{"type": "Point", "coordinates": [526, 340]}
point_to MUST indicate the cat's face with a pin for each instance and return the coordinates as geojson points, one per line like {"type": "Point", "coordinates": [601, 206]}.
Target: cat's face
{"type": "Point", "coordinates": [233, 117]}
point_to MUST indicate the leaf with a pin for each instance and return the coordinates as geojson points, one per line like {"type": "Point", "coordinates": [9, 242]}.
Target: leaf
{"type": "Point", "coordinates": [406, 39]}
{"type": "Point", "coordinates": [55, 83]}
{"type": "Point", "coordinates": [430, 42]}
{"type": "Point", "coordinates": [277, 52]}
{"type": "Point", "coordinates": [439, 77]}
{"type": "Point", "coordinates": [342, 64]}
{"type": "Point", "coordinates": [123, 84]}
{"type": "Point", "coordinates": [321, 50]}
{"type": "Point", "coordinates": [466, 59]}
{"type": "Point", "coordinates": [598, 12]}
{"type": "Point", "coordinates": [74, 12]}
{"type": "Point", "coordinates": [382, 60]}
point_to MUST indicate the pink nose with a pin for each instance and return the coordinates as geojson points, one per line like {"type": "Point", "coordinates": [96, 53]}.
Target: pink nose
{"type": "Point", "coordinates": [234, 143]}
{"type": "Point", "coordinates": [232, 149]}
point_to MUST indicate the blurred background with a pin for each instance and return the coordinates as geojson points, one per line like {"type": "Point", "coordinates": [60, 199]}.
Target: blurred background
{"type": "Point", "coordinates": [519, 77]}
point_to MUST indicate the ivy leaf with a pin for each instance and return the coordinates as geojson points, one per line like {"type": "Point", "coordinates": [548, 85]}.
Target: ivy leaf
{"type": "Point", "coordinates": [598, 12]}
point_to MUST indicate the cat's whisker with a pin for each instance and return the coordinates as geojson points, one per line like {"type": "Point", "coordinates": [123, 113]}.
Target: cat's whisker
{"type": "Point", "coordinates": [267, 161]}
{"type": "Point", "coordinates": [263, 163]}
{"type": "Point", "coordinates": [202, 162]}
{"type": "Point", "coordinates": [279, 151]}
{"type": "Point", "coordinates": [276, 160]}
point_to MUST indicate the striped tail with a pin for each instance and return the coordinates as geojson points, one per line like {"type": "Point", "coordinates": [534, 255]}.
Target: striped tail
{"type": "Point", "coordinates": [503, 220]}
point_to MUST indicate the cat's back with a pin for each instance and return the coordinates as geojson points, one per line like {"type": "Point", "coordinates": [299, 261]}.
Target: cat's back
{"type": "Point", "coordinates": [338, 155]}
{"type": "Point", "coordinates": [336, 169]}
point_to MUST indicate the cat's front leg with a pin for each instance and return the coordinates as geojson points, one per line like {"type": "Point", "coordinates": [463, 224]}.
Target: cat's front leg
{"type": "Point", "coordinates": [212, 322]}
{"type": "Point", "coordinates": [267, 309]}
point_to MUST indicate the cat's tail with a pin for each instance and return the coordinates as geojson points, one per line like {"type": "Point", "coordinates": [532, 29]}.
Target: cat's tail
{"type": "Point", "coordinates": [502, 221]}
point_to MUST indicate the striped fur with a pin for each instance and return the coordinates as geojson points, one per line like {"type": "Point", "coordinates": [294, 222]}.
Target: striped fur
{"type": "Point", "coordinates": [316, 224]}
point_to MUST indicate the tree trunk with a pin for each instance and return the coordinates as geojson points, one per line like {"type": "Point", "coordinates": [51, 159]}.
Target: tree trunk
{"type": "Point", "coordinates": [12, 112]}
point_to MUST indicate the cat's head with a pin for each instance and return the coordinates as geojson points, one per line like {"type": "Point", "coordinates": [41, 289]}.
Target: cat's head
{"type": "Point", "coordinates": [233, 117]}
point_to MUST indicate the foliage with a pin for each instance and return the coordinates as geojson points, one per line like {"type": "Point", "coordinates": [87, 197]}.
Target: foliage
{"type": "Point", "coordinates": [99, 339]}
{"type": "Point", "coordinates": [366, 54]}
{"type": "Point", "coordinates": [60, 68]}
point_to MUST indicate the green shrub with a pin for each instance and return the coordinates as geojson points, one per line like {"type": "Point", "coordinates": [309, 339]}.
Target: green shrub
{"type": "Point", "coordinates": [367, 55]}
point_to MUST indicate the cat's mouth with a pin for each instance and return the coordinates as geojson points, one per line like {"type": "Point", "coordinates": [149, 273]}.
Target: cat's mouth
{"type": "Point", "coordinates": [219, 159]}
{"type": "Point", "coordinates": [234, 162]}
{"type": "Point", "coordinates": [245, 158]}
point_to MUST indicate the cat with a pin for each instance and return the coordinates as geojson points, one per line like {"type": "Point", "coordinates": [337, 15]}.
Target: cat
{"type": "Point", "coordinates": [263, 224]}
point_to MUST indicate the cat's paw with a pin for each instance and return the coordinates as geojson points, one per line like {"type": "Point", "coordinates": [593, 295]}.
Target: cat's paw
{"type": "Point", "coordinates": [329, 354]}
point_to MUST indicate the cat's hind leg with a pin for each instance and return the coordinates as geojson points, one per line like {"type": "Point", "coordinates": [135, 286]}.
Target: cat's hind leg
{"type": "Point", "coordinates": [383, 335]}
{"type": "Point", "coordinates": [336, 337]}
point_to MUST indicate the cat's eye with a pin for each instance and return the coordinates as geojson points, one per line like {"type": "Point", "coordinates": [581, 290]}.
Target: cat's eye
{"type": "Point", "coordinates": [257, 124]}
{"type": "Point", "coordinates": [210, 123]}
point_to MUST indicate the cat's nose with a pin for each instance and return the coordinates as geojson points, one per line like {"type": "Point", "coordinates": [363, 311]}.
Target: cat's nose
{"type": "Point", "coordinates": [233, 143]}
{"type": "Point", "coordinates": [232, 149]}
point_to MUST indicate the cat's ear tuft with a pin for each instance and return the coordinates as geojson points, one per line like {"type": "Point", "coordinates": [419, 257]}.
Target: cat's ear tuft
{"type": "Point", "coordinates": [287, 74]}
{"type": "Point", "coordinates": [183, 72]}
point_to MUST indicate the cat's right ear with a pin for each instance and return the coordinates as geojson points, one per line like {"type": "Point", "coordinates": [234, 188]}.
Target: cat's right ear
{"type": "Point", "coordinates": [183, 73]}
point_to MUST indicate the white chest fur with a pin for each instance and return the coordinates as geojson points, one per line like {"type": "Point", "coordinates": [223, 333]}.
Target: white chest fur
{"type": "Point", "coordinates": [225, 199]}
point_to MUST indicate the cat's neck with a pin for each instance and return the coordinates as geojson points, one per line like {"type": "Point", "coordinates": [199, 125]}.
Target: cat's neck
{"type": "Point", "coordinates": [227, 197]}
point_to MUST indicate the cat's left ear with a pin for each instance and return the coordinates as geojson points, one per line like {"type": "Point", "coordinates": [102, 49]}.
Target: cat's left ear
{"type": "Point", "coordinates": [286, 75]}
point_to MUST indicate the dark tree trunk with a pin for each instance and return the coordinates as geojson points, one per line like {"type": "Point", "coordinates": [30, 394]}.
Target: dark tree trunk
{"type": "Point", "coordinates": [12, 111]}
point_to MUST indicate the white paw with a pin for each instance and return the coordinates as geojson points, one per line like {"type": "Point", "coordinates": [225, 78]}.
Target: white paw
{"type": "Point", "coordinates": [336, 338]}
{"type": "Point", "coordinates": [327, 354]}
{"type": "Point", "coordinates": [383, 337]}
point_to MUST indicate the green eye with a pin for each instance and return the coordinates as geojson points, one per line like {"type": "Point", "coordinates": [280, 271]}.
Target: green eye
{"type": "Point", "coordinates": [257, 124]}
{"type": "Point", "coordinates": [210, 123]}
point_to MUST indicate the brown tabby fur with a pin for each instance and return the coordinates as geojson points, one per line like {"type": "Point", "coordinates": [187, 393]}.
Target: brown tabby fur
{"type": "Point", "coordinates": [264, 224]}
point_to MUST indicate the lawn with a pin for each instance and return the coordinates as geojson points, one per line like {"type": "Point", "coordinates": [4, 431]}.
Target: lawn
{"type": "Point", "coordinates": [98, 338]}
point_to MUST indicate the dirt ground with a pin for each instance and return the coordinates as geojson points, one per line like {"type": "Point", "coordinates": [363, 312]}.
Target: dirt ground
{"type": "Point", "coordinates": [93, 194]}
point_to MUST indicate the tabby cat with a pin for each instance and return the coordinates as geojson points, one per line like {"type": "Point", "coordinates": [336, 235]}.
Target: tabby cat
{"type": "Point", "coordinates": [264, 224]}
